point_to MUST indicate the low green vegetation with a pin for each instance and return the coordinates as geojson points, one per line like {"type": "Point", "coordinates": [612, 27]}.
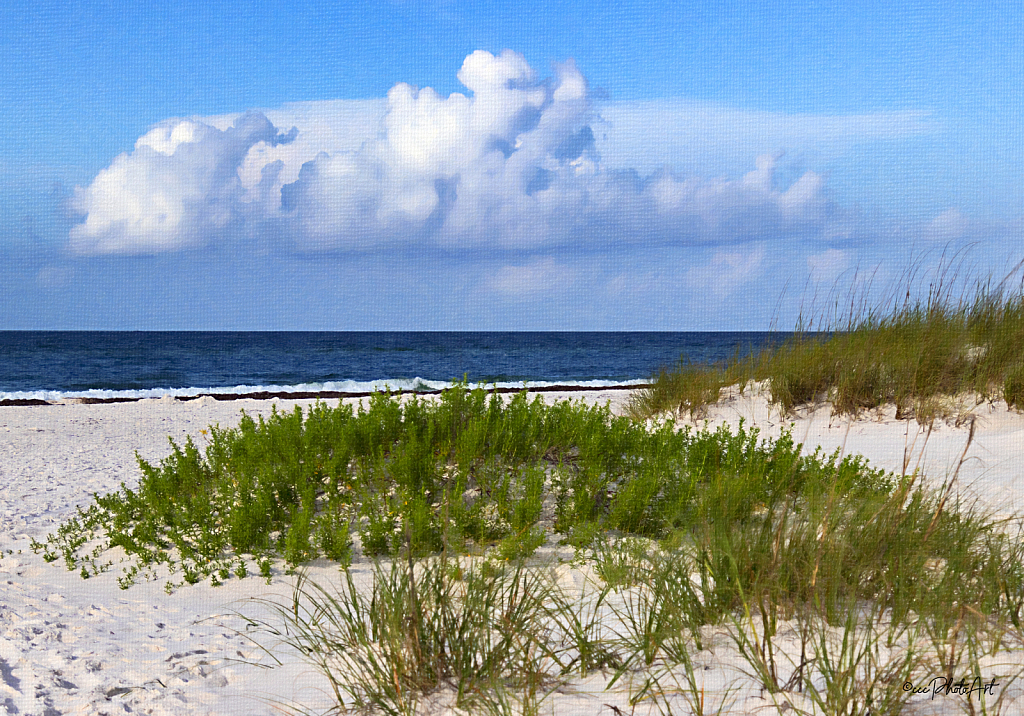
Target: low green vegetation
{"type": "Point", "coordinates": [926, 358]}
{"type": "Point", "coordinates": [458, 474]}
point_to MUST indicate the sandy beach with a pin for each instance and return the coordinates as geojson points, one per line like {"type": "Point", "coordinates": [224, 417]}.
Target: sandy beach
{"type": "Point", "coordinates": [74, 646]}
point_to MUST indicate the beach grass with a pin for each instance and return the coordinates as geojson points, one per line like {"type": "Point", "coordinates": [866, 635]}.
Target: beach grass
{"type": "Point", "coordinates": [908, 588]}
{"type": "Point", "coordinates": [881, 579]}
{"type": "Point", "coordinates": [935, 357]}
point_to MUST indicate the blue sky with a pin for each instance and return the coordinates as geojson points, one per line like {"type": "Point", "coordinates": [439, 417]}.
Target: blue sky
{"type": "Point", "coordinates": [603, 166]}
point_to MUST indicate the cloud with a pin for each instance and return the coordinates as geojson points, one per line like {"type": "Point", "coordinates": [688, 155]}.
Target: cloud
{"type": "Point", "coordinates": [513, 164]}
{"type": "Point", "coordinates": [543, 275]}
{"type": "Point", "coordinates": [179, 187]}
{"type": "Point", "coordinates": [55, 276]}
{"type": "Point", "coordinates": [827, 266]}
{"type": "Point", "coordinates": [726, 271]}
{"type": "Point", "coordinates": [649, 133]}
{"type": "Point", "coordinates": [948, 226]}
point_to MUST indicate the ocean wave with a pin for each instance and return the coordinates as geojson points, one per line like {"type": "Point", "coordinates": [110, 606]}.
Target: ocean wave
{"type": "Point", "coordinates": [343, 386]}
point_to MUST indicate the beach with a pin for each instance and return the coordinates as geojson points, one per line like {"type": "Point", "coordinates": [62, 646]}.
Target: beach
{"type": "Point", "coordinates": [69, 645]}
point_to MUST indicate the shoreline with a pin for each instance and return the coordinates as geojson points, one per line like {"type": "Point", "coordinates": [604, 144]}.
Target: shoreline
{"type": "Point", "coordinates": [311, 395]}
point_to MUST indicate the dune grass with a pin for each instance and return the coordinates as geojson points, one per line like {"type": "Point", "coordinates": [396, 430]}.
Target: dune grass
{"type": "Point", "coordinates": [929, 358]}
{"type": "Point", "coordinates": [878, 579]}
{"type": "Point", "coordinates": [878, 589]}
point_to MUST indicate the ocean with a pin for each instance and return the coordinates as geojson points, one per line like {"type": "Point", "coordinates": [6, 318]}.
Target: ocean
{"type": "Point", "coordinates": [104, 365]}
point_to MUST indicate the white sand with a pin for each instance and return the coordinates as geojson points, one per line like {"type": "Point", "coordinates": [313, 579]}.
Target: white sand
{"type": "Point", "coordinates": [69, 645]}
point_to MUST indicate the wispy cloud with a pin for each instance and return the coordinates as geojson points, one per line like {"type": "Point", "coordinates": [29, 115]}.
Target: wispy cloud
{"type": "Point", "coordinates": [826, 267]}
{"type": "Point", "coordinates": [646, 134]}
{"type": "Point", "coordinates": [726, 271]}
{"type": "Point", "coordinates": [540, 276]}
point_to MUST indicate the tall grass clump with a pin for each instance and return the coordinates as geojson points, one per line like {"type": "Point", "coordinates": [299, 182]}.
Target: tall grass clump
{"type": "Point", "coordinates": [923, 356]}
{"type": "Point", "coordinates": [482, 636]}
{"type": "Point", "coordinates": [688, 389]}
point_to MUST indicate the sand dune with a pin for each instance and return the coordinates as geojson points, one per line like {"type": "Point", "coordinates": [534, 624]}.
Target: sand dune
{"type": "Point", "coordinates": [69, 645]}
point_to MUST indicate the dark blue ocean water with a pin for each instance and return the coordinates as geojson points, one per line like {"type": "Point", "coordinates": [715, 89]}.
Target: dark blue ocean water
{"type": "Point", "coordinates": [56, 364]}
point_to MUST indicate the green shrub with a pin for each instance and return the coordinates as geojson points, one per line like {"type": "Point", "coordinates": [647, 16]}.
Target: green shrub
{"type": "Point", "coordinates": [416, 477]}
{"type": "Point", "coordinates": [520, 545]}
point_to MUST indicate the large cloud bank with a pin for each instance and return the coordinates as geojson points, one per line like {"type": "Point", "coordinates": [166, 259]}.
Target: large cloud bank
{"type": "Point", "coordinates": [510, 165]}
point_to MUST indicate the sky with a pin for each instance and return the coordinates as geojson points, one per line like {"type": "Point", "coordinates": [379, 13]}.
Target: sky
{"type": "Point", "coordinates": [446, 165]}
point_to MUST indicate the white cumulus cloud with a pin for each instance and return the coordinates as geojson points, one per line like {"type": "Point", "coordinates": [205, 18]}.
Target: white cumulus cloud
{"type": "Point", "coordinates": [510, 164]}
{"type": "Point", "coordinates": [178, 187]}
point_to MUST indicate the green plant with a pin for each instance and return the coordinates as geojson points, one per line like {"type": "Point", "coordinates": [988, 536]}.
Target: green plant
{"type": "Point", "coordinates": [660, 618]}
{"type": "Point", "coordinates": [264, 565]}
{"type": "Point", "coordinates": [420, 629]}
{"type": "Point", "coordinates": [688, 389]}
{"type": "Point", "coordinates": [862, 670]}
{"type": "Point", "coordinates": [661, 683]}
{"type": "Point", "coordinates": [519, 546]}
{"type": "Point", "coordinates": [578, 627]}
{"type": "Point", "coordinates": [430, 475]}
{"type": "Point", "coordinates": [624, 562]}
{"type": "Point", "coordinates": [914, 354]}
{"type": "Point", "coordinates": [1013, 387]}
